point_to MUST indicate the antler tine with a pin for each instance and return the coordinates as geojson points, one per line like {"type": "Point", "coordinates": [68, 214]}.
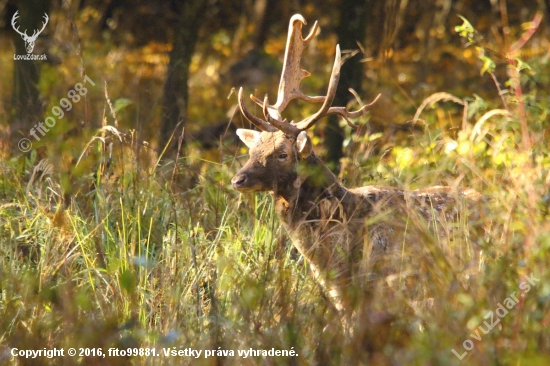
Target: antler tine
{"type": "Point", "coordinates": [345, 114]}
{"type": "Point", "coordinates": [331, 92]}
{"type": "Point", "coordinates": [283, 125]}
{"type": "Point", "coordinates": [326, 108]}
{"type": "Point", "coordinates": [292, 74]}
{"type": "Point", "coordinates": [261, 124]}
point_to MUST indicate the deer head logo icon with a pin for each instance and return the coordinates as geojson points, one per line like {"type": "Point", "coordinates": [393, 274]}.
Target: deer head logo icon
{"type": "Point", "coordinates": [29, 40]}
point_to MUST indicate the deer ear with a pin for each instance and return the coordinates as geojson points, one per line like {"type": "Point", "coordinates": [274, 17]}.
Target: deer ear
{"type": "Point", "coordinates": [249, 137]}
{"type": "Point", "coordinates": [303, 143]}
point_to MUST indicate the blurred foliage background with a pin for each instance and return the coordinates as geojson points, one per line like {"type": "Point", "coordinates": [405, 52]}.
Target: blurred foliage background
{"type": "Point", "coordinates": [409, 50]}
{"type": "Point", "coordinates": [119, 227]}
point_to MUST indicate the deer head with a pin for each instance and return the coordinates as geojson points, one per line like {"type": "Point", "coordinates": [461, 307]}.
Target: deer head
{"type": "Point", "coordinates": [29, 40]}
{"type": "Point", "coordinates": [276, 151]}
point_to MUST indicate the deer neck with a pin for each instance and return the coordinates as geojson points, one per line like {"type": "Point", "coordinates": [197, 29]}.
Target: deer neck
{"type": "Point", "coordinates": [313, 182]}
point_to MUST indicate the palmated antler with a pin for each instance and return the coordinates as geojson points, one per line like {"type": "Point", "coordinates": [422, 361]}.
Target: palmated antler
{"type": "Point", "coordinates": [289, 88]}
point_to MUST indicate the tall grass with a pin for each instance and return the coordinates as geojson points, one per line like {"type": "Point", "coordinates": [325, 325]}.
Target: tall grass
{"type": "Point", "coordinates": [131, 261]}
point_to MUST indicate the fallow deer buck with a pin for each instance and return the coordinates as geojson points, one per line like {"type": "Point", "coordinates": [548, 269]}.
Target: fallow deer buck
{"type": "Point", "coordinates": [348, 236]}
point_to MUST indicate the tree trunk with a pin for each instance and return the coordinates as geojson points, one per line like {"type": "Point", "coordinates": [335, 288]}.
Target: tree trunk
{"type": "Point", "coordinates": [264, 17]}
{"type": "Point", "coordinates": [176, 91]}
{"type": "Point", "coordinates": [351, 29]}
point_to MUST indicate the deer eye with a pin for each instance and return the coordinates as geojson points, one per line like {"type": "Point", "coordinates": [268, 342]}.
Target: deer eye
{"type": "Point", "coordinates": [283, 156]}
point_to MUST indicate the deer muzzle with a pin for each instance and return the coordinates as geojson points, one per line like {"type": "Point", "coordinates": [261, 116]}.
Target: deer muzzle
{"type": "Point", "coordinates": [239, 181]}
{"type": "Point", "coordinates": [252, 180]}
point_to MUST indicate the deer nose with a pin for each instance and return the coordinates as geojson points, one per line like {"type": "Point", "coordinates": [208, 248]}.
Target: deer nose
{"type": "Point", "coordinates": [238, 181]}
